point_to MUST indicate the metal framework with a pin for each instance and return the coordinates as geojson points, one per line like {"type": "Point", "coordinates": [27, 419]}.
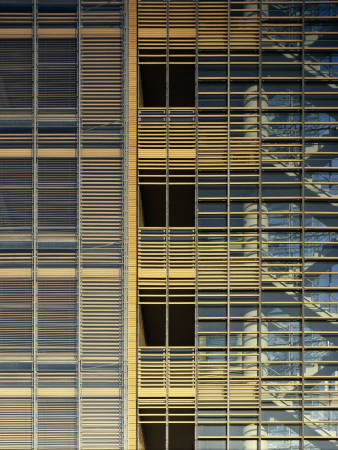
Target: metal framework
{"type": "Point", "coordinates": [254, 267]}
{"type": "Point", "coordinates": [168, 224]}
{"type": "Point", "coordinates": [61, 226]}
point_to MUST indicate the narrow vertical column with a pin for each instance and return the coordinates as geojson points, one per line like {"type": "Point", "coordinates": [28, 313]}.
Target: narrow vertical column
{"type": "Point", "coordinates": [167, 360]}
{"type": "Point", "coordinates": [79, 229]}
{"type": "Point", "coordinates": [132, 232]}
{"type": "Point", "coordinates": [261, 444]}
{"type": "Point", "coordinates": [302, 431]}
{"type": "Point", "coordinates": [228, 233]}
{"type": "Point", "coordinates": [125, 280]}
{"type": "Point", "coordinates": [196, 228]}
{"type": "Point", "coordinates": [250, 243]}
{"type": "Point", "coordinates": [35, 225]}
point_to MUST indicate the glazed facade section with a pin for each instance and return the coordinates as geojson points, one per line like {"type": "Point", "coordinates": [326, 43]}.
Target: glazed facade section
{"type": "Point", "coordinates": [61, 169]}
{"type": "Point", "coordinates": [237, 227]}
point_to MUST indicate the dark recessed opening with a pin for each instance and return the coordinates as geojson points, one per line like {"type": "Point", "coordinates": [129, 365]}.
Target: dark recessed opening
{"type": "Point", "coordinates": [181, 436]}
{"type": "Point", "coordinates": [154, 436]}
{"type": "Point", "coordinates": [152, 206]}
{"type": "Point", "coordinates": [153, 317]}
{"type": "Point", "coordinates": [181, 325]}
{"type": "Point", "coordinates": [152, 85]}
{"type": "Point", "coordinates": [181, 206]}
{"type": "Point", "coordinates": [182, 85]}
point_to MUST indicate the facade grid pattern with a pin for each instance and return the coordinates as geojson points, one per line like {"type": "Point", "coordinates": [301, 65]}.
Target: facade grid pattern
{"type": "Point", "coordinates": [237, 142]}
{"type": "Point", "coordinates": [62, 187]}
{"type": "Point", "coordinates": [168, 224]}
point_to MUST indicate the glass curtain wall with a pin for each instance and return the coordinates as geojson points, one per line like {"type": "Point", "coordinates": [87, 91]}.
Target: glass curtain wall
{"type": "Point", "coordinates": [237, 224]}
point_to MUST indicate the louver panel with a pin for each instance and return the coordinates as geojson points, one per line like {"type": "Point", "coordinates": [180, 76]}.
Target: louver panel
{"type": "Point", "coordinates": [102, 79]}
{"type": "Point", "coordinates": [57, 317]}
{"type": "Point", "coordinates": [57, 138]}
{"type": "Point", "coordinates": [15, 420]}
{"type": "Point", "coordinates": [57, 209]}
{"type": "Point", "coordinates": [57, 75]}
{"type": "Point", "coordinates": [16, 172]}
{"type": "Point", "coordinates": [15, 195]}
{"type": "Point", "coordinates": [101, 199]}
{"type": "Point", "coordinates": [57, 172]}
{"type": "Point", "coordinates": [99, 418]}
{"type": "Point", "coordinates": [16, 75]}
{"type": "Point", "coordinates": [101, 319]}
{"type": "Point", "coordinates": [16, 212]}
{"type": "Point", "coordinates": [16, 318]}
{"type": "Point", "coordinates": [61, 387]}
{"type": "Point", "coordinates": [102, 212]}
{"type": "Point", "coordinates": [57, 415]}
{"type": "Point", "coordinates": [101, 95]}
{"type": "Point", "coordinates": [57, 195]}
{"type": "Point", "coordinates": [15, 139]}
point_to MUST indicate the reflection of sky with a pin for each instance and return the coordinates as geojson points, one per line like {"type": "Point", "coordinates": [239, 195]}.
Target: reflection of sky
{"type": "Point", "coordinates": [323, 10]}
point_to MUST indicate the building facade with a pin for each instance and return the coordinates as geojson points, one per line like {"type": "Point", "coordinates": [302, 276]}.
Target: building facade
{"type": "Point", "coordinates": [168, 224]}
{"type": "Point", "coordinates": [62, 175]}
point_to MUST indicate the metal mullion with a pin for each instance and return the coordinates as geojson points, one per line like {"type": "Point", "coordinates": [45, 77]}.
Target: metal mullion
{"type": "Point", "coordinates": [228, 233]}
{"type": "Point", "coordinates": [196, 227]}
{"type": "Point", "coordinates": [35, 224]}
{"type": "Point", "coordinates": [303, 223]}
{"type": "Point", "coordinates": [260, 230]}
{"type": "Point", "coordinates": [132, 217]}
{"type": "Point", "coordinates": [167, 361]}
{"type": "Point", "coordinates": [125, 214]}
{"type": "Point", "coordinates": [79, 229]}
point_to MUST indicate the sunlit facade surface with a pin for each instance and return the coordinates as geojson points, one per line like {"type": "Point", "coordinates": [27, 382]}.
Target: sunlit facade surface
{"type": "Point", "coordinates": [237, 171]}
{"type": "Point", "coordinates": [61, 269]}
{"type": "Point", "coordinates": [168, 225]}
